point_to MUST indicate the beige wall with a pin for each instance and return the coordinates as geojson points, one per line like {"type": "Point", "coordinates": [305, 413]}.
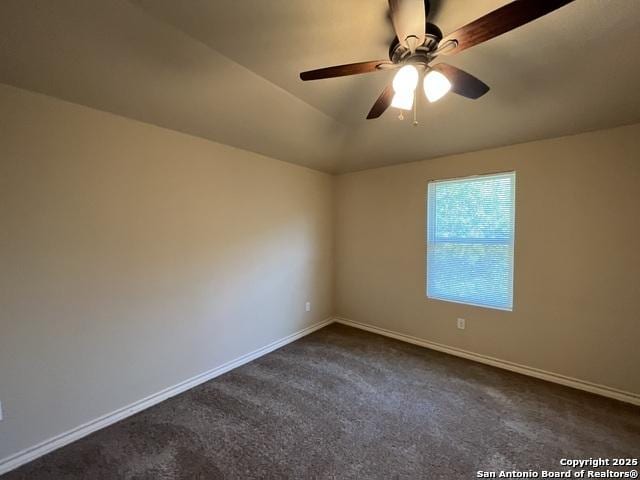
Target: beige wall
{"type": "Point", "coordinates": [577, 256]}
{"type": "Point", "coordinates": [133, 258]}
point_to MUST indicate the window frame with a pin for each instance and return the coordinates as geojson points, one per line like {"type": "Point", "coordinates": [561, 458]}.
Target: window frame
{"type": "Point", "coordinates": [431, 235]}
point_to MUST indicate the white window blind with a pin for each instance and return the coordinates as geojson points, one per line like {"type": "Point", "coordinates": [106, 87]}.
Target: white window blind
{"type": "Point", "coordinates": [470, 232]}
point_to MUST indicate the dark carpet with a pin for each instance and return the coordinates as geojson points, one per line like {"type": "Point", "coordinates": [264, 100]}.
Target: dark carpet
{"type": "Point", "coordinates": [342, 403]}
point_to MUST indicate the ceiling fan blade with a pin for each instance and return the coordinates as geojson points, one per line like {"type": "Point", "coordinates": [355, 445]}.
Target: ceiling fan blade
{"type": "Point", "coordinates": [506, 18]}
{"type": "Point", "coordinates": [382, 103]}
{"type": "Point", "coordinates": [348, 69]}
{"type": "Point", "coordinates": [408, 18]}
{"type": "Point", "coordinates": [462, 83]}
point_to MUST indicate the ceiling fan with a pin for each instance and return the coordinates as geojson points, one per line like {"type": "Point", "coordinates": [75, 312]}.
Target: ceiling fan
{"type": "Point", "coordinates": [418, 43]}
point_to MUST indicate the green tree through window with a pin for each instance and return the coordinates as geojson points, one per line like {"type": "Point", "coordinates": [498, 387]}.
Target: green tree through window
{"type": "Point", "coordinates": [470, 232]}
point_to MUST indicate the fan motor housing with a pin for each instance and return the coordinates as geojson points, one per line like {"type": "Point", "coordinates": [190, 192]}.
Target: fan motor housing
{"type": "Point", "coordinates": [398, 52]}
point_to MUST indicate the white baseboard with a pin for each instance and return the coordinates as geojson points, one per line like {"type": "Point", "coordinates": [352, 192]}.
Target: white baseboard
{"type": "Point", "coordinates": [603, 390]}
{"type": "Point", "coordinates": [30, 454]}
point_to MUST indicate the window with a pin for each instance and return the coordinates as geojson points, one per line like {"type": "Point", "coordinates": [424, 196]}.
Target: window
{"type": "Point", "coordinates": [470, 229]}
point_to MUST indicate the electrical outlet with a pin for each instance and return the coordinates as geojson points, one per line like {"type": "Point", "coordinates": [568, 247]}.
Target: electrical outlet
{"type": "Point", "coordinates": [461, 324]}
{"type": "Point", "coordinates": [1, 411]}
{"type": "Point", "coordinates": [307, 307]}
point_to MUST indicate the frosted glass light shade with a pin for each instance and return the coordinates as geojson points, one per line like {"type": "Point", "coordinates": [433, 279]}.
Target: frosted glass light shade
{"type": "Point", "coordinates": [406, 80]}
{"type": "Point", "coordinates": [403, 100]}
{"type": "Point", "coordinates": [436, 85]}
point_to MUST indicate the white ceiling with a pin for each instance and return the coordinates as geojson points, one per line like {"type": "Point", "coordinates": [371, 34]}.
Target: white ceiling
{"type": "Point", "coordinates": [228, 70]}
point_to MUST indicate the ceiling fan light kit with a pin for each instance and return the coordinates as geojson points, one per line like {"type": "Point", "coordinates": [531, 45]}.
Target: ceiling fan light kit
{"type": "Point", "coordinates": [403, 100]}
{"type": "Point", "coordinates": [406, 80]}
{"type": "Point", "coordinates": [404, 86]}
{"type": "Point", "coordinates": [418, 43]}
{"type": "Point", "coordinates": [435, 85]}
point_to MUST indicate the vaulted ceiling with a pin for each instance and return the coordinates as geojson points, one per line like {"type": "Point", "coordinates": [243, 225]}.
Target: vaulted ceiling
{"type": "Point", "coordinates": [227, 70]}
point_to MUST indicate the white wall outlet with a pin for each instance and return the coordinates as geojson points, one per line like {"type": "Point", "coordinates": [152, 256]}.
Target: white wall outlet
{"type": "Point", "coordinates": [307, 307]}
{"type": "Point", "coordinates": [462, 323]}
